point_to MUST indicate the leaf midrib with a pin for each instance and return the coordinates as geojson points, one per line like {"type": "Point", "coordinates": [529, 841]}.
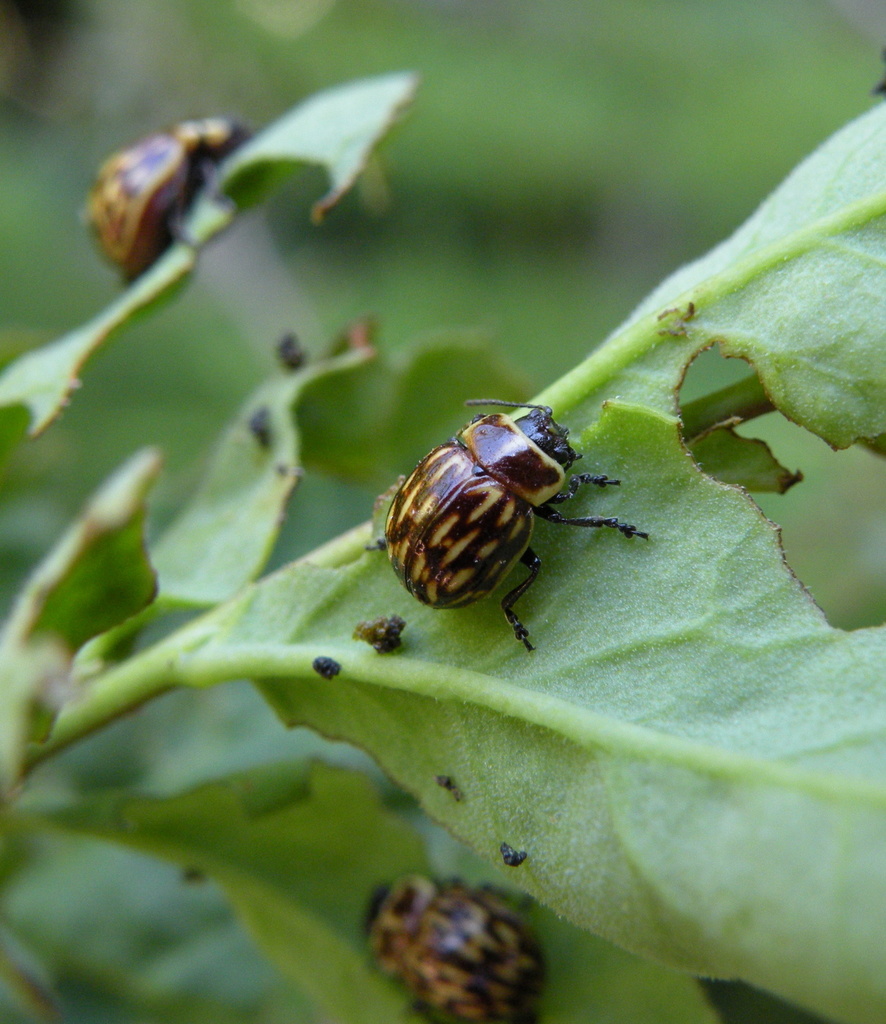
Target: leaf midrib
{"type": "Point", "coordinates": [587, 729]}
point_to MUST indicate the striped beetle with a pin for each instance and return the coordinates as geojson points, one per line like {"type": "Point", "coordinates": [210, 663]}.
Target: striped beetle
{"type": "Point", "coordinates": [141, 193]}
{"type": "Point", "coordinates": [459, 950]}
{"type": "Point", "coordinates": [463, 518]}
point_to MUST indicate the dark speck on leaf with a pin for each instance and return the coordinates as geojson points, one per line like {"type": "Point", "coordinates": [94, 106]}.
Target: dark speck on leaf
{"type": "Point", "coordinates": [383, 633]}
{"type": "Point", "coordinates": [513, 858]}
{"type": "Point", "coordinates": [290, 353]}
{"type": "Point", "coordinates": [260, 426]}
{"type": "Point", "coordinates": [326, 667]}
{"type": "Point", "coordinates": [445, 781]}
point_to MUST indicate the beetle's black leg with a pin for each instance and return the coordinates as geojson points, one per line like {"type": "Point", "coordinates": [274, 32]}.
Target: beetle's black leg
{"type": "Point", "coordinates": [176, 225]}
{"type": "Point", "coordinates": [533, 563]}
{"type": "Point", "coordinates": [555, 517]}
{"type": "Point", "coordinates": [379, 544]}
{"type": "Point", "coordinates": [203, 178]}
{"type": "Point", "coordinates": [576, 481]}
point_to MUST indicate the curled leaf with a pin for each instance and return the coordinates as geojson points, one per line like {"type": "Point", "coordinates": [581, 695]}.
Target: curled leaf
{"type": "Point", "coordinates": [97, 575]}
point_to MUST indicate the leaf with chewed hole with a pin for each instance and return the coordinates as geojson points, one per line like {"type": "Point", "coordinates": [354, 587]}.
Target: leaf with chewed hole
{"type": "Point", "coordinates": [799, 291]}
{"type": "Point", "coordinates": [337, 129]}
{"type": "Point", "coordinates": [687, 722]}
{"type": "Point", "coordinates": [402, 406]}
{"type": "Point", "coordinates": [747, 461]}
{"type": "Point", "coordinates": [693, 760]}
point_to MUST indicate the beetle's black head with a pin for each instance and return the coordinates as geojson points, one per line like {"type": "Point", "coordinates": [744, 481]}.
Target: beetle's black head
{"type": "Point", "coordinates": [539, 426]}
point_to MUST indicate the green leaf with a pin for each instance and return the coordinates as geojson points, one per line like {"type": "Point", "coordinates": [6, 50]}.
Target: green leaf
{"type": "Point", "coordinates": [24, 981]}
{"type": "Point", "coordinates": [336, 129]}
{"type": "Point", "coordinates": [399, 408]}
{"type": "Point", "coordinates": [742, 460]}
{"type": "Point", "coordinates": [43, 379]}
{"type": "Point", "coordinates": [222, 539]}
{"type": "Point", "coordinates": [142, 941]}
{"type": "Point", "coordinates": [13, 418]}
{"type": "Point", "coordinates": [708, 424]}
{"type": "Point", "coordinates": [878, 444]}
{"type": "Point", "coordinates": [739, 1004]}
{"type": "Point", "coordinates": [687, 722]}
{"type": "Point", "coordinates": [299, 856]}
{"type": "Point", "coordinates": [35, 676]}
{"type": "Point", "coordinates": [591, 980]}
{"type": "Point", "coordinates": [799, 291]}
{"type": "Point", "coordinates": [13, 427]}
{"type": "Point", "coordinates": [693, 759]}
{"type": "Point", "coordinates": [96, 576]}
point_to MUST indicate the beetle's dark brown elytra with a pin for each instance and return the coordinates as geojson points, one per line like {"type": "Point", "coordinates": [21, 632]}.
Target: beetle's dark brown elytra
{"type": "Point", "coordinates": [463, 518]}
{"type": "Point", "coordinates": [142, 192]}
{"type": "Point", "coordinates": [460, 950]}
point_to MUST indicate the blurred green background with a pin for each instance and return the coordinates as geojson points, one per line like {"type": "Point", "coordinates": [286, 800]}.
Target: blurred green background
{"type": "Point", "coordinates": [560, 160]}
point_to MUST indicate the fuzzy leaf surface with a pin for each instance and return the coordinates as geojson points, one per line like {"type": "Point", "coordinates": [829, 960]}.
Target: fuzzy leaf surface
{"type": "Point", "coordinates": [688, 720]}
{"type": "Point", "coordinates": [693, 759]}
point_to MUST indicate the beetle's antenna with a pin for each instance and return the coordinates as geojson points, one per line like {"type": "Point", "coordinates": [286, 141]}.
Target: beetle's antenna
{"type": "Point", "coordinates": [511, 405]}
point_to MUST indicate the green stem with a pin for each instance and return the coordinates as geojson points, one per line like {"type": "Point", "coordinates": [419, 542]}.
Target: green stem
{"type": "Point", "coordinates": [742, 400]}
{"type": "Point", "coordinates": [125, 687]}
{"type": "Point", "coordinates": [115, 692]}
{"type": "Point", "coordinates": [169, 664]}
{"type": "Point", "coordinates": [341, 550]}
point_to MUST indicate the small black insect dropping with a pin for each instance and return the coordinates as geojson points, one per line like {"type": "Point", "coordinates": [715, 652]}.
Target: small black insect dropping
{"type": "Point", "coordinates": [260, 426]}
{"type": "Point", "coordinates": [445, 782]}
{"type": "Point", "coordinates": [328, 668]}
{"type": "Point", "coordinates": [513, 858]}
{"type": "Point", "coordinates": [290, 352]}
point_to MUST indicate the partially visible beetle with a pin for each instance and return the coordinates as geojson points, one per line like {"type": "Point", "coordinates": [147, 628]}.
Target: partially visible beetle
{"type": "Point", "coordinates": [464, 517]}
{"type": "Point", "coordinates": [141, 193]}
{"type": "Point", "coordinates": [460, 950]}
